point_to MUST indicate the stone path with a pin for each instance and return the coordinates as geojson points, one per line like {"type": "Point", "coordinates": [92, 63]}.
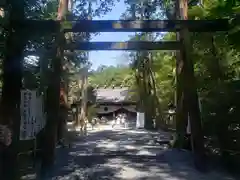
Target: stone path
{"type": "Point", "coordinates": [125, 155]}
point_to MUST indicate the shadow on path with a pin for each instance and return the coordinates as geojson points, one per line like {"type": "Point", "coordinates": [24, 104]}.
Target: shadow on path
{"type": "Point", "coordinates": [125, 155]}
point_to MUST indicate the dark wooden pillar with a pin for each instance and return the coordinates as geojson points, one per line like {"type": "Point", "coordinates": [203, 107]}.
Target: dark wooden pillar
{"type": "Point", "coordinates": [12, 83]}
{"type": "Point", "coordinates": [190, 90]}
{"type": "Point", "coordinates": [53, 93]}
{"type": "Point", "coordinates": [53, 106]}
{"type": "Point", "coordinates": [180, 99]}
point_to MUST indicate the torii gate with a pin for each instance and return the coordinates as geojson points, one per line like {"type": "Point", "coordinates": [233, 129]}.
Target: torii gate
{"type": "Point", "coordinates": [186, 65]}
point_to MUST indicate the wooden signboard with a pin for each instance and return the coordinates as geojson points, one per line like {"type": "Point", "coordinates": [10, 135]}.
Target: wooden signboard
{"type": "Point", "coordinates": [32, 115]}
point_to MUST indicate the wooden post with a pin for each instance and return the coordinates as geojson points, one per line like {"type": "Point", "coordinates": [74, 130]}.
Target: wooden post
{"type": "Point", "coordinates": [53, 94]}
{"type": "Point", "coordinates": [181, 109]}
{"type": "Point", "coordinates": [12, 83]}
{"type": "Point", "coordinates": [190, 91]}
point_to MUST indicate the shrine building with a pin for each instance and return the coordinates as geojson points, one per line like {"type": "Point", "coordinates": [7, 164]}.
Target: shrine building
{"type": "Point", "coordinates": [112, 101]}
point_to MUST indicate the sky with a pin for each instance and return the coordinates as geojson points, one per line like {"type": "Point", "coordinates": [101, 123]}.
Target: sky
{"type": "Point", "coordinates": [110, 57]}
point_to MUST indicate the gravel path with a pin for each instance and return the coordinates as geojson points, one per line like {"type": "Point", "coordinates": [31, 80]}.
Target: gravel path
{"type": "Point", "coordinates": [125, 155]}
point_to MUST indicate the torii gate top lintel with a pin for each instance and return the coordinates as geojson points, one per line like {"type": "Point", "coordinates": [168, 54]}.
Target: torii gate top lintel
{"type": "Point", "coordinates": [91, 26]}
{"type": "Point", "coordinates": [126, 25]}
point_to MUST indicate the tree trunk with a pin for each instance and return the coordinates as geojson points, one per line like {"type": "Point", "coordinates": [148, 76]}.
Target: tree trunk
{"type": "Point", "coordinates": [157, 106]}
{"type": "Point", "coordinates": [83, 112]}
{"type": "Point", "coordinates": [150, 99]}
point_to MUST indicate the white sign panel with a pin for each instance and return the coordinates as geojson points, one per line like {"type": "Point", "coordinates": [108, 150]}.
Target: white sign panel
{"type": "Point", "coordinates": [32, 115]}
{"type": "Point", "coordinates": [188, 124]}
{"type": "Point", "coordinates": [140, 120]}
{"type": "Point", "coordinates": [25, 115]}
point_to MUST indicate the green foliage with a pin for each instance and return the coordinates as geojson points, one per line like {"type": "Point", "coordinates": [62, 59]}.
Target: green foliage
{"type": "Point", "coordinates": [111, 76]}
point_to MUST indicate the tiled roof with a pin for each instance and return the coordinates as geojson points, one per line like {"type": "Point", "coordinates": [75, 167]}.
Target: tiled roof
{"type": "Point", "coordinates": [112, 94]}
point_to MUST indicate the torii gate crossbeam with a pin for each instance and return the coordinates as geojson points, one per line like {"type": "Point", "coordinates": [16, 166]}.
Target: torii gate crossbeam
{"type": "Point", "coordinates": [125, 25]}
{"type": "Point", "coordinates": [51, 26]}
